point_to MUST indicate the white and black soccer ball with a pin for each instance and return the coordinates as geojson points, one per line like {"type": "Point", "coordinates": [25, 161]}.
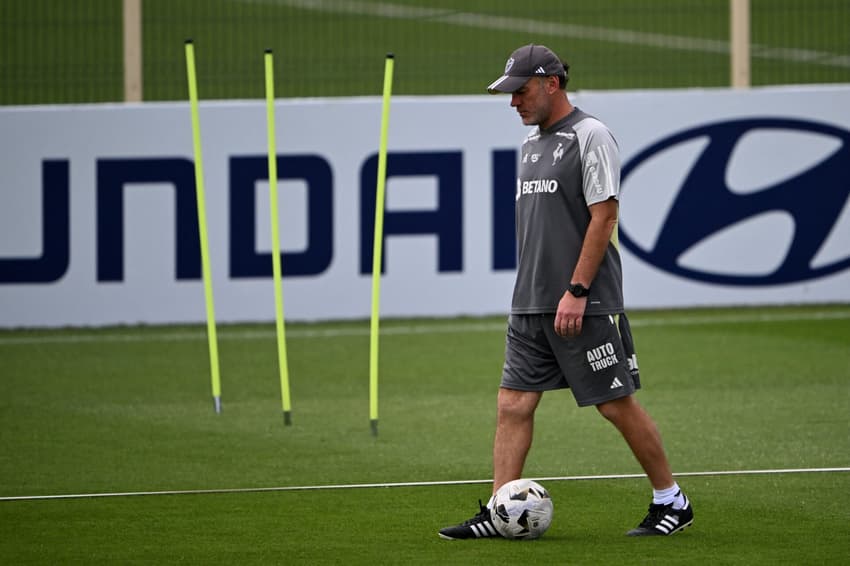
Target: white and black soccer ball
{"type": "Point", "coordinates": [522, 509]}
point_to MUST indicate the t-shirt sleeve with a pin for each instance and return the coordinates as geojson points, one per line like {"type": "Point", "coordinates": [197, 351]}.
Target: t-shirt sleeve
{"type": "Point", "coordinates": [600, 161]}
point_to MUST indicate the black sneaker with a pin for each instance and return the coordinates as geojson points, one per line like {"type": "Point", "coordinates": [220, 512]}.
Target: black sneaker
{"type": "Point", "coordinates": [480, 526]}
{"type": "Point", "coordinates": [664, 520]}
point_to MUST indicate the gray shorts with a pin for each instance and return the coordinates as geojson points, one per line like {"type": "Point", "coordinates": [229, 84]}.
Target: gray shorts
{"type": "Point", "coordinates": [599, 365]}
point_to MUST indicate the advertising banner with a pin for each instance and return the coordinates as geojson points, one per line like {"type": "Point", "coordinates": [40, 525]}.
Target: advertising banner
{"type": "Point", "coordinates": [728, 198]}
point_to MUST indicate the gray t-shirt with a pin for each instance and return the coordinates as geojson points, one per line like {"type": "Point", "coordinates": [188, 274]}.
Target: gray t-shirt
{"type": "Point", "coordinates": [563, 170]}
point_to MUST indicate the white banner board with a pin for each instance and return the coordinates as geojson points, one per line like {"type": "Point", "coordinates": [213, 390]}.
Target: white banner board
{"type": "Point", "coordinates": [729, 198]}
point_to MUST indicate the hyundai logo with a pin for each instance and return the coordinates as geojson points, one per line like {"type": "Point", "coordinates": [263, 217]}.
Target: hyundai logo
{"type": "Point", "coordinates": [805, 204]}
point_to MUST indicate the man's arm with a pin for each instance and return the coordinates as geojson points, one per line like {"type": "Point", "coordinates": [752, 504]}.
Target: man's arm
{"type": "Point", "coordinates": [603, 220]}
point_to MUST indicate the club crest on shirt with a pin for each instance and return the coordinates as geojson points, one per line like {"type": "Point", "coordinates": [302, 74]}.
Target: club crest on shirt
{"type": "Point", "coordinates": [557, 154]}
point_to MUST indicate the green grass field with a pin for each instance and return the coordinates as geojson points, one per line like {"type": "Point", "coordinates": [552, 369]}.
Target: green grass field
{"type": "Point", "coordinates": [54, 52]}
{"type": "Point", "coordinates": [99, 411]}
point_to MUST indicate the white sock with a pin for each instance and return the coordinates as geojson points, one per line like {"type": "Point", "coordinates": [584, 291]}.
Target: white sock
{"type": "Point", "coordinates": [670, 495]}
{"type": "Point", "coordinates": [490, 501]}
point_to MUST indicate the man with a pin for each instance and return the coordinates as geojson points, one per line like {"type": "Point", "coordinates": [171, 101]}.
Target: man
{"type": "Point", "coordinates": [567, 327]}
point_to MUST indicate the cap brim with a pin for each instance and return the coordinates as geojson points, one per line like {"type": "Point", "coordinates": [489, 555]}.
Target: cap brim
{"type": "Point", "coordinates": [506, 83]}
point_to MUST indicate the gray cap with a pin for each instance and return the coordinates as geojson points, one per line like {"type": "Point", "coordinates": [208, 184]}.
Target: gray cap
{"type": "Point", "coordinates": [526, 62]}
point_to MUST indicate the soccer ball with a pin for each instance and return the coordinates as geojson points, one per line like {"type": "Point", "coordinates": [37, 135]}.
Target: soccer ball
{"type": "Point", "coordinates": [522, 509]}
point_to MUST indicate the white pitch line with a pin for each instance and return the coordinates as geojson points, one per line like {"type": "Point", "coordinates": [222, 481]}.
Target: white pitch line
{"type": "Point", "coordinates": [408, 484]}
{"type": "Point", "coordinates": [555, 29]}
{"type": "Point", "coordinates": [402, 330]}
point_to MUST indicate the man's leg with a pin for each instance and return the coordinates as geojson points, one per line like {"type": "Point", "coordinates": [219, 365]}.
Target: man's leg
{"type": "Point", "coordinates": [670, 511]}
{"type": "Point", "coordinates": [514, 428]}
{"type": "Point", "coordinates": [642, 436]}
{"type": "Point", "coordinates": [514, 431]}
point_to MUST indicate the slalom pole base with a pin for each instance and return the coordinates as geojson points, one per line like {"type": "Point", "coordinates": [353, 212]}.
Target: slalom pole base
{"type": "Point", "coordinates": [374, 424]}
{"type": "Point", "coordinates": [287, 418]}
{"type": "Point", "coordinates": [217, 405]}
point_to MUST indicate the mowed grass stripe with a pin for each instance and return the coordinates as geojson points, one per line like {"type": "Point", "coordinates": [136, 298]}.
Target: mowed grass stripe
{"type": "Point", "coordinates": [557, 29]}
{"type": "Point", "coordinates": [392, 328]}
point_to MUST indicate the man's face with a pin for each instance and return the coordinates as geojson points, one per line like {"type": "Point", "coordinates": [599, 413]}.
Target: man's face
{"type": "Point", "coordinates": [532, 101]}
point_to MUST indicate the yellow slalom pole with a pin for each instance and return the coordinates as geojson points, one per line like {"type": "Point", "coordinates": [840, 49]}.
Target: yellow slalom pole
{"type": "Point", "coordinates": [378, 245]}
{"type": "Point", "coordinates": [202, 226]}
{"type": "Point", "coordinates": [276, 270]}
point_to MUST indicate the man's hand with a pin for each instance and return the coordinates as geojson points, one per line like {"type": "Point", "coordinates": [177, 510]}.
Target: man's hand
{"type": "Point", "coordinates": [569, 316]}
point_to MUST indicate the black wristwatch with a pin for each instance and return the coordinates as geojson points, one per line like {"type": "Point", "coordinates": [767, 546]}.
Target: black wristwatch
{"type": "Point", "coordinates": [578, 290]}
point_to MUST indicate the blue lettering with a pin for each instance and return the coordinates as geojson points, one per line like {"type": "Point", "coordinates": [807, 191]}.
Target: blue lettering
{"type": "Point", "coordinates": [446, 221]}
{"type": "Point", "coordinates": [504, 202]}
{"type": "Point", "coordinates": [112, 175]}
{"type": "Point", "coordinates": [55, 231]}
{"type": "Point", "coordinates": [245, 261]}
